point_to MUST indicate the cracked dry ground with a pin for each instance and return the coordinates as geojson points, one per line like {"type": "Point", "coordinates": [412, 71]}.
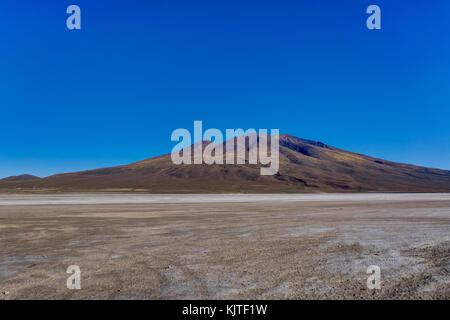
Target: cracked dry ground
{"type": "Point", "coordinates": [258, 250]}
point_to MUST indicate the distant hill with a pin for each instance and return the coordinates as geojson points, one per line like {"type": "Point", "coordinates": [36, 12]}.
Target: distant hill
{"type": "Point", "coordinates": [22, 177]}
{"type": "Point", "coordinates": [305, 166]}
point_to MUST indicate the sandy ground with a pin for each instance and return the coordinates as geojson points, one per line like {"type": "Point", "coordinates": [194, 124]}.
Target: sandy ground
{"type": "Point", "coordinates": [314, 246]}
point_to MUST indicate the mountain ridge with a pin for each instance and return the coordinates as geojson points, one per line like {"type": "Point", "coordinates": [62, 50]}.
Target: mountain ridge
{"type": "Point", "coordinates": [305, 166]}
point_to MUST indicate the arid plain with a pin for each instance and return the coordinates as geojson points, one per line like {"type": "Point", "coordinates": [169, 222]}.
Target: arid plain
{"type": "Point", "coordinates": [230, 246]}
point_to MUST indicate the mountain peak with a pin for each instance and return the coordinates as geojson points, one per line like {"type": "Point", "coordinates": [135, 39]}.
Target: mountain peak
{"type": "Point", "coordinates": [287, 138]}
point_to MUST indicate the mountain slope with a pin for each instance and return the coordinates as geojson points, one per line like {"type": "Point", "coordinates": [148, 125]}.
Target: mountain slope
{"type": "Point", "coordinates": [305, 166]}
{"type": "Point", "coordinates": [22, 177]}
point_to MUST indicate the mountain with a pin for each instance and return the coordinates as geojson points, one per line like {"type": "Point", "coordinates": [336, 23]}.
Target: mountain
{"type": "Point", "coordinates": [22, 177]}
{"type": "Point", "coordinates": [305, 166]}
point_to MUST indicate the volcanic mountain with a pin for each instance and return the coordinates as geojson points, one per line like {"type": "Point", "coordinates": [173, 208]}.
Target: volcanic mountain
{"type": "Point", "coordinates": [305, 166]}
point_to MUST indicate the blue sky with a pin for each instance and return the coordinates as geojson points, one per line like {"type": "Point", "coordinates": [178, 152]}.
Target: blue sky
{"type": "Point", "coordinates": [113, 92]}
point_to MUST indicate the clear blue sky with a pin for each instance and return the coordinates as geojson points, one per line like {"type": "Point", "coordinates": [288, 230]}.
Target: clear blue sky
{"type": "Point", "coordinates": [113, 92]}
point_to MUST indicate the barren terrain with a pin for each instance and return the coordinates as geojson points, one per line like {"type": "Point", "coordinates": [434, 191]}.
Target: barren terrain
{"type": "Point", "coordinates": [290, 246]}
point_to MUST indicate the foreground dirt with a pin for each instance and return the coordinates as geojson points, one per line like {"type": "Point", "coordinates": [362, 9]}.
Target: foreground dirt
{"type": "Point", "coordinates": [272, 249]}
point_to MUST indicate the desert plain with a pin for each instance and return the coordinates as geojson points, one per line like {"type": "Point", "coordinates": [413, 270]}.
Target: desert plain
{"type": "Point", "coordinates": [225, 246]}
